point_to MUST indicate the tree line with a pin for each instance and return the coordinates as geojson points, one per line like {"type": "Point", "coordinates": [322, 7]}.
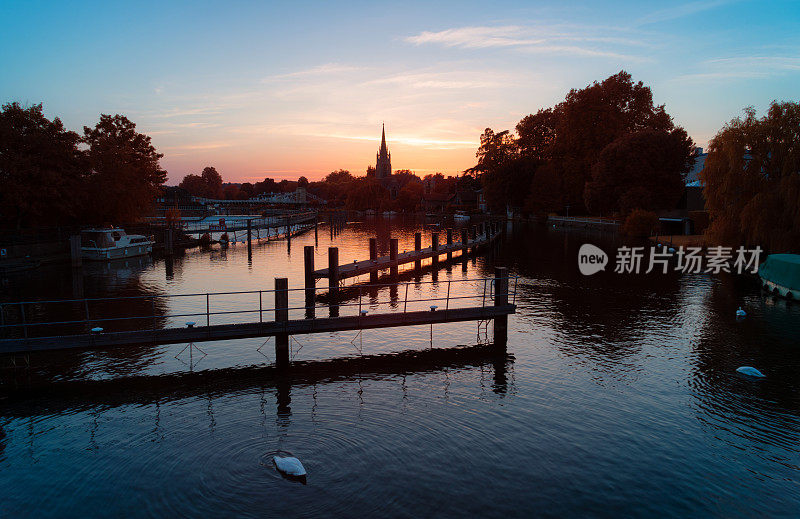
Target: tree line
{"type": "Point", "coordinates": [402, 192]}
{"type": "Point", "coordinates": [751, 180]}
{"type": "Point", "coordinates": [53, 176]}
{"type": "Point", "coordinates": [605, 149]}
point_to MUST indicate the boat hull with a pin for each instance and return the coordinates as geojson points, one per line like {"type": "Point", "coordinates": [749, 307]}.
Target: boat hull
{"type": "Point", "coordinates": [780, 290]}
{"type": "Point", "coordinates": [780, 275]}
{"type": "Point", "coordinates": [129, 251]}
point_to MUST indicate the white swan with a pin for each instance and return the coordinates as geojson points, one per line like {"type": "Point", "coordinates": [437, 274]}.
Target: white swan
{"type": "Point", "coordinates": [290, 466]}
{"type": "Point", "coordinates": [750, 372]}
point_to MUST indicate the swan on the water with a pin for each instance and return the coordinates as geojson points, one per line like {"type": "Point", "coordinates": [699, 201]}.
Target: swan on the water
{"type": "Point", "coordinates": [290, 466]}
{"type": "Point", "coordinates": [750, 372]}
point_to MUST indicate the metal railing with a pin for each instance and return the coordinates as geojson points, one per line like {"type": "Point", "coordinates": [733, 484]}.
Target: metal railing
{"type": "Point", "coordinates": [239, 223]}
{"type": "Point", "coordinates": [21, 322]}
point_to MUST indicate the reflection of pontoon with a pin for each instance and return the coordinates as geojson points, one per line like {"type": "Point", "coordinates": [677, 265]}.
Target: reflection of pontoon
{"type": "Point", "coordinates": [780, 274]}
{"type": "Point", "coordinates": [105, 244]}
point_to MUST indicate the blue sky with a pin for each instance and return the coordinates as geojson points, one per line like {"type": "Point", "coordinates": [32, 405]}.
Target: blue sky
{"type": "Point", "coordinates": [289, 89]}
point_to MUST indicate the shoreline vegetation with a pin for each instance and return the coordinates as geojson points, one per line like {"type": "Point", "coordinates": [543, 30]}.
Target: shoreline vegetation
{"type": "Point", "coordinates": [605, 150]}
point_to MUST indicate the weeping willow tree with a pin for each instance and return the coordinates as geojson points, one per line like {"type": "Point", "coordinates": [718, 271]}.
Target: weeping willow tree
{"type": "Point", "coordinates": [752, 180]}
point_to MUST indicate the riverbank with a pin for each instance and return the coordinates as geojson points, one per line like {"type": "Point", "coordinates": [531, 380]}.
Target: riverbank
{"type": "Point", "coordinates": [680, 240]}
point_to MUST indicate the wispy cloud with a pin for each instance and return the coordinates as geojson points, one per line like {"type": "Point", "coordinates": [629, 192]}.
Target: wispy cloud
{"type": "Point", "coordinates": [746, 67]}
{"type": "Point", "coordinates": [326, 69]}
{"type": "Point", "coordinates": [435, 80]}
{"type": "Point", "coordinates": [476, 37]}
{"type": "Point", "coordinates": [681, 10]}
{"type": "Point", "coordinates": [537, 39]}
{"type": "Point", "coordinates": [199, 146]}
{"type": "Point", "coordinates": [182, 112]}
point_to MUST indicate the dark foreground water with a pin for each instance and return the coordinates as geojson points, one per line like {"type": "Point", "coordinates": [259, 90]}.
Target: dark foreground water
{"type": "Point", "coordinates": [617, 397]}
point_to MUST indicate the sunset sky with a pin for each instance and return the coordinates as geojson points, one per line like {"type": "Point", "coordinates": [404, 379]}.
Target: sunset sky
{"type": "Point", "coordinates": [288, 89]}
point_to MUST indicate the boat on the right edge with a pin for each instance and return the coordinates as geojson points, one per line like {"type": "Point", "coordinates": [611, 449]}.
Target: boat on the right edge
{"type": "Point", "coordinates": [780, 275]}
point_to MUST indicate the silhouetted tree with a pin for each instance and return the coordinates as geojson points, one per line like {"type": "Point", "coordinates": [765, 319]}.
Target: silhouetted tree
{"type": "Point", "coordinates": [752, 180]}
{"type": "Point", "coordinates": [643, 170]}
{"type": "Point", "coordinates": [566, 141]}
{"type": "Point", "coordinates": [590, 119]}
{"type": "Point", "coordinates": [42, 169]}
{"type": "Point", "coordinates": [125, 174]}
{"type": "Point", "coordinates": [213, 182]}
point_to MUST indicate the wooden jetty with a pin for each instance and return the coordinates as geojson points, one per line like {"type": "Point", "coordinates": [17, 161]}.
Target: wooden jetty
{"type": "Point", "coordinates": [472, 240]}
{"type": "Point", "coordinates": [99, 334]}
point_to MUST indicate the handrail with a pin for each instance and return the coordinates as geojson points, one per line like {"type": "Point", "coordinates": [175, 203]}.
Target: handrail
{"type": "Point", "coordinates": [488, 282]}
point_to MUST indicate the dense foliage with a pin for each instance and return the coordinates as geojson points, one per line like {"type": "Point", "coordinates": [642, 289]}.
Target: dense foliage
{"type": "Point", "coordinates": [752, 180]}
{"type": "Point", "coordinates": [42, 169]}
{"type": "Point", "coordinates": [125, 175]}
{"type": "Point", "coordinates": [51, 176]}
{"type": "Point", "coordinates": [559, 151]}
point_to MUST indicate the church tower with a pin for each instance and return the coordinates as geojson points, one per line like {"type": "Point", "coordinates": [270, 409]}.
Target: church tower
{"type": "Point", "coordinates": [383, 159]}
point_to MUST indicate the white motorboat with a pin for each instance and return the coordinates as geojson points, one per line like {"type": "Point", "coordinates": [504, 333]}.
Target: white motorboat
{"type": "Point", "coordinates": [106, 244]}
{"type": "Point", "coordinates": [460, 216]}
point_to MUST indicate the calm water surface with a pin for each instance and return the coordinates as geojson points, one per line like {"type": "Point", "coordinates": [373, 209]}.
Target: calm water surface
{"type": "Point", "coordinates": [617, 397]}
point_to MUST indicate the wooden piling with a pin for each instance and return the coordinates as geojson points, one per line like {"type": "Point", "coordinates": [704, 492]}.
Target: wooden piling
{"type": "Point", "coordinates": [393, 257]}
{"type": "Point", "coordinates": [75, 250]}
{"type": "Point", "coordinates": [333, 268]}
{"type": "Point", "coordinates": [168, 241]}
{"type": "Point", "coordinates": [464, 242]}
{"type": "Point", "coordinates": [417, 248]}
{"type": "Point", "coordinates": [449, 243]}
{"type": "Point", "coordinates": [435, 247]}
{"type": "Point", "coordinates": [473, 231]}
{"type": "Point", "coordinates": [500, 300]}
{"type": "Point", "coordinates": [373, 256]}
{"type": "Point", "coordinates": [310, 280]}
{"type": "Point", "coordinates": [333, 280]}
{"type": "Point", "coordinates": [281, 316]}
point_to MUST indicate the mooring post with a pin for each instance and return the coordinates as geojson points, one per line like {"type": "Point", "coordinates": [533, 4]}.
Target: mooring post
{"type": "Point", "coordinates": [168, 241]}
{"type": "Point", "coordinates": [373, 256]}
{"type": "Point", "coordinates": [75, 250]}
{"type": "Point", "coordinates": [449, 243]}
{"type": "Point", "coordinates": [310, 280]}
{"type": "Point", "coordinates": [500, 299]}
{"type": "Point", "coordinates": [393, 257]}
{"type": "Point", "coordinates": [249, 232]}
{"type": "Point", "coordinates": [464, 241]}
{"type": "Point", "coordinates": [435, 247]}
{"type": "Point", "coordinates": [473, 231]}
{"type": "Point", "coordinates": [333, 280]}
{"type": "Point", "coordinates": [417, 248]}
{"type": "Point", "coordinates": [281, 315]}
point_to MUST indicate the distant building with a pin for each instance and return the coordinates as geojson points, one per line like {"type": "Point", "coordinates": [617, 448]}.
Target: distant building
{"type": "Point", "coordinates": [690, 216]}
{"type": "Point", "coordinates": [693, 177]}
{"type": "Point", "coordinates": [383, 159]}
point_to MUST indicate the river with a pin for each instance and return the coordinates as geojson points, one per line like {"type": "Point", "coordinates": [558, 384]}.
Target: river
{"type": "Point", "coordinates": [617, 396]}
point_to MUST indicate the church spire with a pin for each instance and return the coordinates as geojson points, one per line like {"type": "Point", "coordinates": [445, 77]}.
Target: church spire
{"type": "Point", "coordinates": [383, 159]}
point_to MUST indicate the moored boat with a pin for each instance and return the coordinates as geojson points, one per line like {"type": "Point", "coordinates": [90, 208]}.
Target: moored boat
{"type": "Point", "coordinates": [106, 244]}
{"type": "Point", "coordinates": [780, 275]}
